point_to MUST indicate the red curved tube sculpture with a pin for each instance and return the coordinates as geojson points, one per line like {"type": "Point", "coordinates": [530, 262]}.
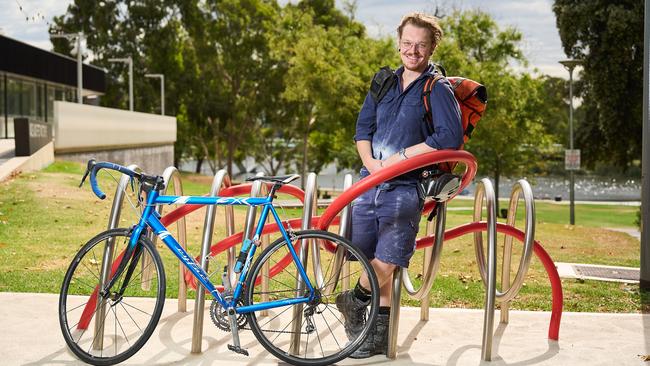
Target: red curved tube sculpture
{"type": "Point", "coordinates": [393, 171]}
{"type": "Point", "coordinates": [547, 262]}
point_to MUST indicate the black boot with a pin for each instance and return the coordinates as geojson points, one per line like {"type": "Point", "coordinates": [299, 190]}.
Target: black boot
{"type": "Point", "coordinates": [377, 341]}
{"type": "Point", "coordinates": [354, 313]}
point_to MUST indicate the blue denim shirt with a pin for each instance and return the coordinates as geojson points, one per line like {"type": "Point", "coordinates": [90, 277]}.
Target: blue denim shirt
{"type": "Point", "coordinates": [398, 120]}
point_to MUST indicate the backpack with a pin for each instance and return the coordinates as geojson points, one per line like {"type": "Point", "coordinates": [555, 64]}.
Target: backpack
{"type": "Point", "coordinates": [471, 97]}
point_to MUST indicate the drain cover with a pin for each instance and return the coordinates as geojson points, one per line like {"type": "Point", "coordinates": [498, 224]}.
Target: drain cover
{"type": "Point", "coordinates": [607, 272]}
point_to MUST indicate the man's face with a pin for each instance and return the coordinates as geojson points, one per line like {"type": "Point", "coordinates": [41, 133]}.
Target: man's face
{"type": "Point", "coordinates": [415, 47]}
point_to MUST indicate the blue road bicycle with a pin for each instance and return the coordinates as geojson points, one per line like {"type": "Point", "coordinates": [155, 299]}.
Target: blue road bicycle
{"type": "Point", "coordinates": [113, 293]}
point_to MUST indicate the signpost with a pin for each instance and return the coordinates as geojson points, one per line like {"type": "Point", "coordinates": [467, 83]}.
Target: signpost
{"type": "Point", "coordinates": [644, 282]}
{"type": "Point", "coordinates": [572, 159]}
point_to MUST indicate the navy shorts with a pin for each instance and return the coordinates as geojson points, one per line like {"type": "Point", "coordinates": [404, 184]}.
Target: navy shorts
{"type": "Point", "coordinates": [385, 222]}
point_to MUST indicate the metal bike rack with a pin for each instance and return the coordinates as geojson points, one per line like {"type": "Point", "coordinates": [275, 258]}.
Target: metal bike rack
{"type": "Point", "coordinates": [489, 276]}
{"type": "Point", "coordinates": [307, 213]}
{"type": "Point", "coordinates": [113, 222]}
{"type": "Point", "coordinates": [510, 291]}
{"type": "Point", "coordinates": [401, 277]}
{"type": "Point", "coordinates": [484, 189]}
{"type": "Point", "coordinates": [170, 175]}
{"type": "Point", "coordinates": [432, 262]}
{"type": "Point", "coordinates": [344, 231]}
{"type": "Point", "coordinates": [220, 179]}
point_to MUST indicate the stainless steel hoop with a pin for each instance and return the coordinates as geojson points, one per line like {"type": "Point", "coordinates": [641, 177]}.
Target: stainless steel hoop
{"type": "Point", "coordinates": [484, 189]}
{"type": "Point", "coordinates": [520, 187]}
{"type": "Point", "coordinates": [432, 264]}
{"type": "Point", "coordinates": [308, 209]}
{"type": "Point", "coordinates": [113, 222]}
{"type": "Point", "coordinates": [221, 178]}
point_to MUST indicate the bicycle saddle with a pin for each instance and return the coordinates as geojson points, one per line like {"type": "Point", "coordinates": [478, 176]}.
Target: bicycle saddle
{"type": "Point", "coordinates": [282, 179]}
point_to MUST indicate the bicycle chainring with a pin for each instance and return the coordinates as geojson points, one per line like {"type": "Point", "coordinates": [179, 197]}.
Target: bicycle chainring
{"type": "Point", "coordinates": [220, 318]}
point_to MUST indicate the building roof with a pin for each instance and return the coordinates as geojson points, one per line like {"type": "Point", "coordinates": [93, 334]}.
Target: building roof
{"type": "Point", "coordinates": [22, 59]}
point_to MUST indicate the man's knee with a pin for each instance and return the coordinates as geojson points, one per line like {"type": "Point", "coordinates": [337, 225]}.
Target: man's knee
{"type": "Point", "coordinates": [383, 269]}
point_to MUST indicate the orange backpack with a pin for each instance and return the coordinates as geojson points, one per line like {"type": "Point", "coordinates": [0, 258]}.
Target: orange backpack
{"type": "Point", "coordinates": [472, 100]}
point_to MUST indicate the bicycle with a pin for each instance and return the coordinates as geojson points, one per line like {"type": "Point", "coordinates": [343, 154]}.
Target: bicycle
{"type": "Point", "coordinates": [117, 280]}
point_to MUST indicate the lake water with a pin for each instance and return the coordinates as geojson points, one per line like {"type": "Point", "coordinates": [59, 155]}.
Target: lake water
{"type": "Point", "coordinates": [587, 188]}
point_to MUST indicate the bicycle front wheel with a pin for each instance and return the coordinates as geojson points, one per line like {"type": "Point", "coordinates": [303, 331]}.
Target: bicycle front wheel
{"type": "Point", "coordinates": [108, 330]}
{"type": "Point", "coordinates": [311, 333]}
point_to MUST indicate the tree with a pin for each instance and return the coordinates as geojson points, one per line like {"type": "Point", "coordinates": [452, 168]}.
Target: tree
{"type": "Point", "coordinates": [510, 134]}
{"type": "Point", "coordinates": [608, 37]}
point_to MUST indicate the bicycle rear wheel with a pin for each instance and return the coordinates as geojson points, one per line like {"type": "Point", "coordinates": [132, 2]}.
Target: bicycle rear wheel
{"type": "Point", "coordinates": [311, 333]}
{"type": "Point", "coordinates": [110, 330]}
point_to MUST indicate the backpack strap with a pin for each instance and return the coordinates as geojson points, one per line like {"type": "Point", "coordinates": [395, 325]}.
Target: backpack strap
{"type": "Point", "coordinates": [426, 91]}
{"type": "Point", "coordinates": [381, 83]}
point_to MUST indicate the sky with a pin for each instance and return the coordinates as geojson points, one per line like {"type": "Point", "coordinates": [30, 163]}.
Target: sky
{"type": "Point", "coordinates": [533, 18]}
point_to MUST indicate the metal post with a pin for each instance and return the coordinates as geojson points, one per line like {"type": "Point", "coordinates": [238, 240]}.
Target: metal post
{"type": "Point", "coordinates": [393, 321]}
{"type": "Point", "coordinates": [425, 303]}
{"type": "Point", "coordinates": [570, 65]}
{"type": "Point", "coordinates": [80, 98]}
{"type": "Point", "coordinates": [572, 215]}
{"type": "Point", "coordinates": [208, 227]}
{"type": "Point", "coordinates": [130, 83]}
{"type": "Point", "coordinates": [490, 294]}
{"type": "Point", "coordinates": [309, 205]}
{"type": "Point", "coordinates": [644, 282]}
{"type": "Point", "coordinates": [113, 222]}
{"type": "Point", "coordinates": [129, 61]}
{"type": "Point", "coordinates": [344, 231]}
{"type": "Point", "coordinates": [162, 90]}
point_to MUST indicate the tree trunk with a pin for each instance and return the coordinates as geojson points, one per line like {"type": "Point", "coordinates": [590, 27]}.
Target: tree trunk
{"type": "Point", "coordinates": [199, 164]}
{"type": "Point", "coordinates": [231, 152]}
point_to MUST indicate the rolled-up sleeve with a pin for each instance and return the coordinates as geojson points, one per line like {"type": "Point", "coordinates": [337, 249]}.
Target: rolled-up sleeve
{"type": "Point", "coordinates": [445, 113]}
{"type": "Point", "coordinates": [367, 120]}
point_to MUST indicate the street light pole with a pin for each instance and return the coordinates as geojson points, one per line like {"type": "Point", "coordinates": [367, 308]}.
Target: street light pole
{"type": "Point", "coordinates": [162, 90]}
{"type": "Point", "coordinates": [78, 36]}
{"type": "Point", "coordinates": [644, 280]}
{"type": "Point", "coordinates": [129, 61]}
{"type": "Point", "coordinates": [570, 65]}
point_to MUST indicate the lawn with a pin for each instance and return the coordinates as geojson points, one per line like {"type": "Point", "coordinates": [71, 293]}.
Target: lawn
{"type": "Point", "coordinates": [45, 218]}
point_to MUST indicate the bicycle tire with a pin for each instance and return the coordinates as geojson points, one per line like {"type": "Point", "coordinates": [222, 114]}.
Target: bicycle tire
{"type": "Point", "coordinates": [273, 333]}
{"type": "Point", "coordinates": [78, 300]}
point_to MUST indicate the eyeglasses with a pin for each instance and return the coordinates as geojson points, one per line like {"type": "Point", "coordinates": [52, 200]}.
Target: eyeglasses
{"type": "Point", "coordinates": [406, 45]}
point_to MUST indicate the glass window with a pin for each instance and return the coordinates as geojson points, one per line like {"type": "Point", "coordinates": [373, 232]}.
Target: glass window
{"type": "Point", "coordinates": [3, 122]}
{"type": "Point", "coordinates": [40, 102]}
{"type": "Point", "coordinates": [28, 102]}
{"type": "Point", "coordinates": [50, 103]}
{"type": "Point", "coordinates": [13, 104]}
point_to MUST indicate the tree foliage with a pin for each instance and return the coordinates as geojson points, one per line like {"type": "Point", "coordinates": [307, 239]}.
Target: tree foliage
{"type": "Point", "coordinates": [608, 37]}
{"type": "Point", "coordinates": [511, 133]}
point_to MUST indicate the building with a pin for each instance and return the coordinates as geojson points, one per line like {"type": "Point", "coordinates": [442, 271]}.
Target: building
{"type": "Point", "coordinates": [31, 79]}
{"type": "Point", "coordinates": [41, 86]}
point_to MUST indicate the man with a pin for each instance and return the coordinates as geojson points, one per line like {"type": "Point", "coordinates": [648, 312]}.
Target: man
{"type": "Point", "coordinates": [385, 219]}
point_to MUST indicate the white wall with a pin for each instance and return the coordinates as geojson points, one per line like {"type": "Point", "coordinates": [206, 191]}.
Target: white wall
{"type": "Point", "coordinates": [80, 127]}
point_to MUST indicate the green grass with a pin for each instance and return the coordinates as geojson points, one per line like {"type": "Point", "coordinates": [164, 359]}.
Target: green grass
{"type": "Point", "coordinates": [45, 218]}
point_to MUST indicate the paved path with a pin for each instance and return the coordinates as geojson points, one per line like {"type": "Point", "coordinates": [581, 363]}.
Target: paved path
{"type": "Point", "coordinates": [31, 336]}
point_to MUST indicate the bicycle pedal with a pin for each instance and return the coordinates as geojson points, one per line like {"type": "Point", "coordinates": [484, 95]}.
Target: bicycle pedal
{"type": "Point", "coordinates": [239, 350]}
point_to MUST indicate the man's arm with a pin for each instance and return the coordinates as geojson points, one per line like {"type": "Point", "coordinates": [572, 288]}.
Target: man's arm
{"type": "Point", "coordinates": [364, 148]}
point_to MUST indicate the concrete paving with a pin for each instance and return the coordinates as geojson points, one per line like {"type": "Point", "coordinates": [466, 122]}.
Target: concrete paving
{"type": "Point", "coordinates": [31, 336]}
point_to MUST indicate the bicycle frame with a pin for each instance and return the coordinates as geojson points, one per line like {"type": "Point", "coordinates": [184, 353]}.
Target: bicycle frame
{"type": "Point", "coordinates": [151, 219]}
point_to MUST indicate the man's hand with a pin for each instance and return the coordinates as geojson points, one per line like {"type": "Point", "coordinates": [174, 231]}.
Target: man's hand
{"type": "Point", "coordinates": [374, 164]}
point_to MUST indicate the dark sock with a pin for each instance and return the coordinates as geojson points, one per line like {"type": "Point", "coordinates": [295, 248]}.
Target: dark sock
{"type": "Point", "coordinates": [385, 310]}
{"type": "Point", "coordinates": [361, 293]}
